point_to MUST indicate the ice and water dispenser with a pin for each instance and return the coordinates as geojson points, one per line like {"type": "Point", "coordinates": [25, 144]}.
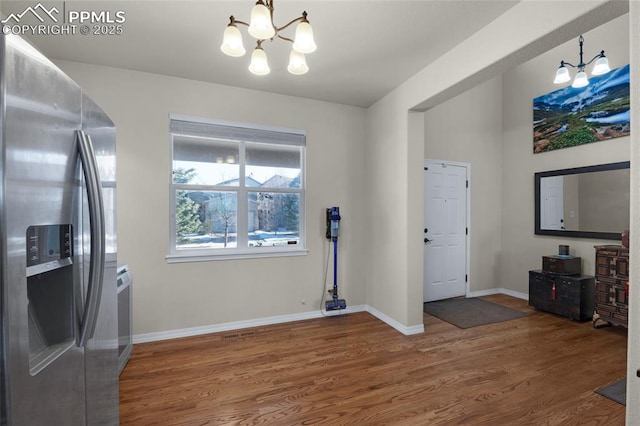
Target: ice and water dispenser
{"type": "Point", "coordinates": [51, 297]}
{"type": "Point", "coordinates": [50, 293]}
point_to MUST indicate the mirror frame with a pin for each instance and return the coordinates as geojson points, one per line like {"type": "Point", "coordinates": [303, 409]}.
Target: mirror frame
{"type": "Point", "coordinates": [575, 170]}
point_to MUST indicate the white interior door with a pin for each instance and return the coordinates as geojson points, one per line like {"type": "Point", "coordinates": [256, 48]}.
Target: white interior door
{"type": "Point", "coordinates": [445, 231]}
{"type": "Point", "coordinates": [552, 199]}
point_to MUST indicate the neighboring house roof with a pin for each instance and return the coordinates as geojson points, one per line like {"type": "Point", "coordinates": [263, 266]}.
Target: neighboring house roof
{"type": "Point", "coordinates": [278, 181]}
{"type": "Point", "coordinates": [249, 182]}
{"type": "Point", "coordinates": [275, 181]}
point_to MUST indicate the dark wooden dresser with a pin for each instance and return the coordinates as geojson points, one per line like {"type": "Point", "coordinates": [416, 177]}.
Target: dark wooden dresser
{"type": "Point", "coordinates": [612, 284]}
{"type": "Point", "coordinates": [571, 296]}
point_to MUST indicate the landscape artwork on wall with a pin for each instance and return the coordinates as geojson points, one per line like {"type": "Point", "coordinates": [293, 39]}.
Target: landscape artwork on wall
{"type": "Point", "coordinates": [571, 117]}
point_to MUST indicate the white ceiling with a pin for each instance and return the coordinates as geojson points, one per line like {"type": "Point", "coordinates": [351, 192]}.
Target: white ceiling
{"type": "Point", "coordinates": [365, 48]}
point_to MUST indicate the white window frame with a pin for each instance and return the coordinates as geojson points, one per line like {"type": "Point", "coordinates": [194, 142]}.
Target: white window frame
{"type": "Point", "coordinates": [242, 250]}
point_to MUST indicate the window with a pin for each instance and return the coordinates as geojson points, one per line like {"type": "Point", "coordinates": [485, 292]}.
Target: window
{"type": "Point", "coordinates": [237, 190]}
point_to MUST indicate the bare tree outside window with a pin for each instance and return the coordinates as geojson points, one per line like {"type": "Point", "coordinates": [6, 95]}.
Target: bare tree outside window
{"type": "Point", "coordinates": [223, 213]}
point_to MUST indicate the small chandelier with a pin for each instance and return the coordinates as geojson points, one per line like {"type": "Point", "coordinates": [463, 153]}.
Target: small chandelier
{"type": "Point", "coordinates": [262, 28]}
{"type": "Point", "coordinates": [600, 67]}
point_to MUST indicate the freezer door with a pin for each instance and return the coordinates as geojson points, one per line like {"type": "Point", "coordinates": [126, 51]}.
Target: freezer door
{"type": "Point", "coordinates": [102, 349]}
{"type": "Point", "coordinates": [44, 369]}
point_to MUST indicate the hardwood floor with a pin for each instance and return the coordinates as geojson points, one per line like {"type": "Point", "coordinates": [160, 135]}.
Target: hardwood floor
{"type": "Point", "coordinates": [356, 370]}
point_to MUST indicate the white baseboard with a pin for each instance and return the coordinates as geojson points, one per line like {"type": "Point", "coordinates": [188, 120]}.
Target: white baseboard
{"type": "Point", "coordinates": [512, 293]}
{"type": "Point", "coordinates": [406, 330]}
{"type": "Point", "coordinates": [238, 325]}
{"type": "Point", "coordinates": [279, 319]}
{"type": "Point", "coordinates": [516, 294]}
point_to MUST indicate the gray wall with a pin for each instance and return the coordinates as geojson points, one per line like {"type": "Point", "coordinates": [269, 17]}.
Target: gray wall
{"type": "Point", "coordinates": [377, 180]}
{"type": "Point", "coordinates": [571, 202]}
{"type": "Point", "coordinates": [529, 29]}
{"type": "Point", "coordinates": [604, 201]}
{"type": "Point", "coordinates": [468, 129]}
{"type": "Point", "coordinates": [490, 127]}
{"type": "Point", "coordinates": [521, 249]}
{"type": "Point", "coordinates": [185, 295]}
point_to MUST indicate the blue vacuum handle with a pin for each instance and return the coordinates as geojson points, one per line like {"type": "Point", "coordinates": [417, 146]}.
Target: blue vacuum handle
{"type": "Point", "coordinates": [335, 222]}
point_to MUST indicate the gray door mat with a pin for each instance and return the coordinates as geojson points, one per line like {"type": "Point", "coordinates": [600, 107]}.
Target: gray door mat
{"type": "Point", "coordinates": [471, 312]}
{"type": "Point", "coordinates": [616, 391]}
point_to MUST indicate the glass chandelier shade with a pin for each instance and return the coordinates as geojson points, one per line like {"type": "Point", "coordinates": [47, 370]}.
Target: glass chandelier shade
{"type": "Point", "coordinates": [232, 42]}
{"type": "Point", "coordinates": [259, 64]}
{"type": "Point", "coordinates": [262, 28]}
{"type": "Point", "coordinates": [304, 42]}
{"type": "Point", "coordinates": [600, 67]}
{"type": "Point", "coordinates": [297, 63]}
{"type": "Point", "coordinates": [562, 75]}
{"type": "Point", "coordinates": [580, 80]}
{"type": "Point", "coordinates": [260, 25]}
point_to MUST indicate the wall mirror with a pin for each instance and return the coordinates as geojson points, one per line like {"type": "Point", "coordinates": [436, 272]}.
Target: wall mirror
{"type": "Point", "coordinates": [583, 202]}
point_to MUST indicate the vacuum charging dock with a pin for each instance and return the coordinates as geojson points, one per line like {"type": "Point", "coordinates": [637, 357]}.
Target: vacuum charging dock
{"type": "Point", "coordinates": [332, 231]}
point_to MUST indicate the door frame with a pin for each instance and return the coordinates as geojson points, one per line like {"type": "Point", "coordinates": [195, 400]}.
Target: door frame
{"type": "Point", "coordinates": [467, 265]}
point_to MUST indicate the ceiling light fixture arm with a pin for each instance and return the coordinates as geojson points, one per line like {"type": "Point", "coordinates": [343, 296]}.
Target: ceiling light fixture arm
{"type": "Point", "coordinates": [284, 38]}
{"type": "Point", "coordinates": [581, 66]}
{"type": "Point", "coordinates": [270, 6]}
{"type": "Point", "coordinates": [302, 18]}
{"type": "Point", "coordinates": [233, 21]}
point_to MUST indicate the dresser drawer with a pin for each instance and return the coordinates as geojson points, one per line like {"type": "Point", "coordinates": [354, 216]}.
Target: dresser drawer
{"type": "Point", "coordinates": [612, 277]}
{"type": "Point", "coordinates": [612, 266]}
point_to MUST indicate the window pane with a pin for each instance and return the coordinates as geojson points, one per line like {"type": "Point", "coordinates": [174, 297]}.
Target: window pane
{"type": "Point", "coordinates": [205, 161]}
{"type": "Point", "coordinates": [274, 219]}
{"type": "Point", "coordinates": [272, 166]}
{"type": "Point", "coordinates": [206, 219]}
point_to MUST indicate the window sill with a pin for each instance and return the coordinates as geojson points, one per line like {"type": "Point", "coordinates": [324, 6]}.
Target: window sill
{"type": "Point", "coordinates": [232, 255]}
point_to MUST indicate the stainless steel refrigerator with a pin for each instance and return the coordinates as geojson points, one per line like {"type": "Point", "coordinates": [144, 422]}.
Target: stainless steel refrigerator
{"type": "Point", "coordinates": [59, 332]}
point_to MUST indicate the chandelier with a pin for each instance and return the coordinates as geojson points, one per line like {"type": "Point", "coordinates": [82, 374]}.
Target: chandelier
{"type": "Point", "coordinates": [600, 67]}
{"type": "Point", "coordinates": [262, 28]}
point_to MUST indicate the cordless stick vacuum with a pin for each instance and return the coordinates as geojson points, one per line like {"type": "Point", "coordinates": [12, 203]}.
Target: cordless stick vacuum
{"type": "Point", "coordinates": [333, 223]}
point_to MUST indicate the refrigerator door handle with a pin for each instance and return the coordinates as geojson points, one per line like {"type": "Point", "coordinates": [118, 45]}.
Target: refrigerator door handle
{"type": "Point", "coordinates": [97, 232]}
